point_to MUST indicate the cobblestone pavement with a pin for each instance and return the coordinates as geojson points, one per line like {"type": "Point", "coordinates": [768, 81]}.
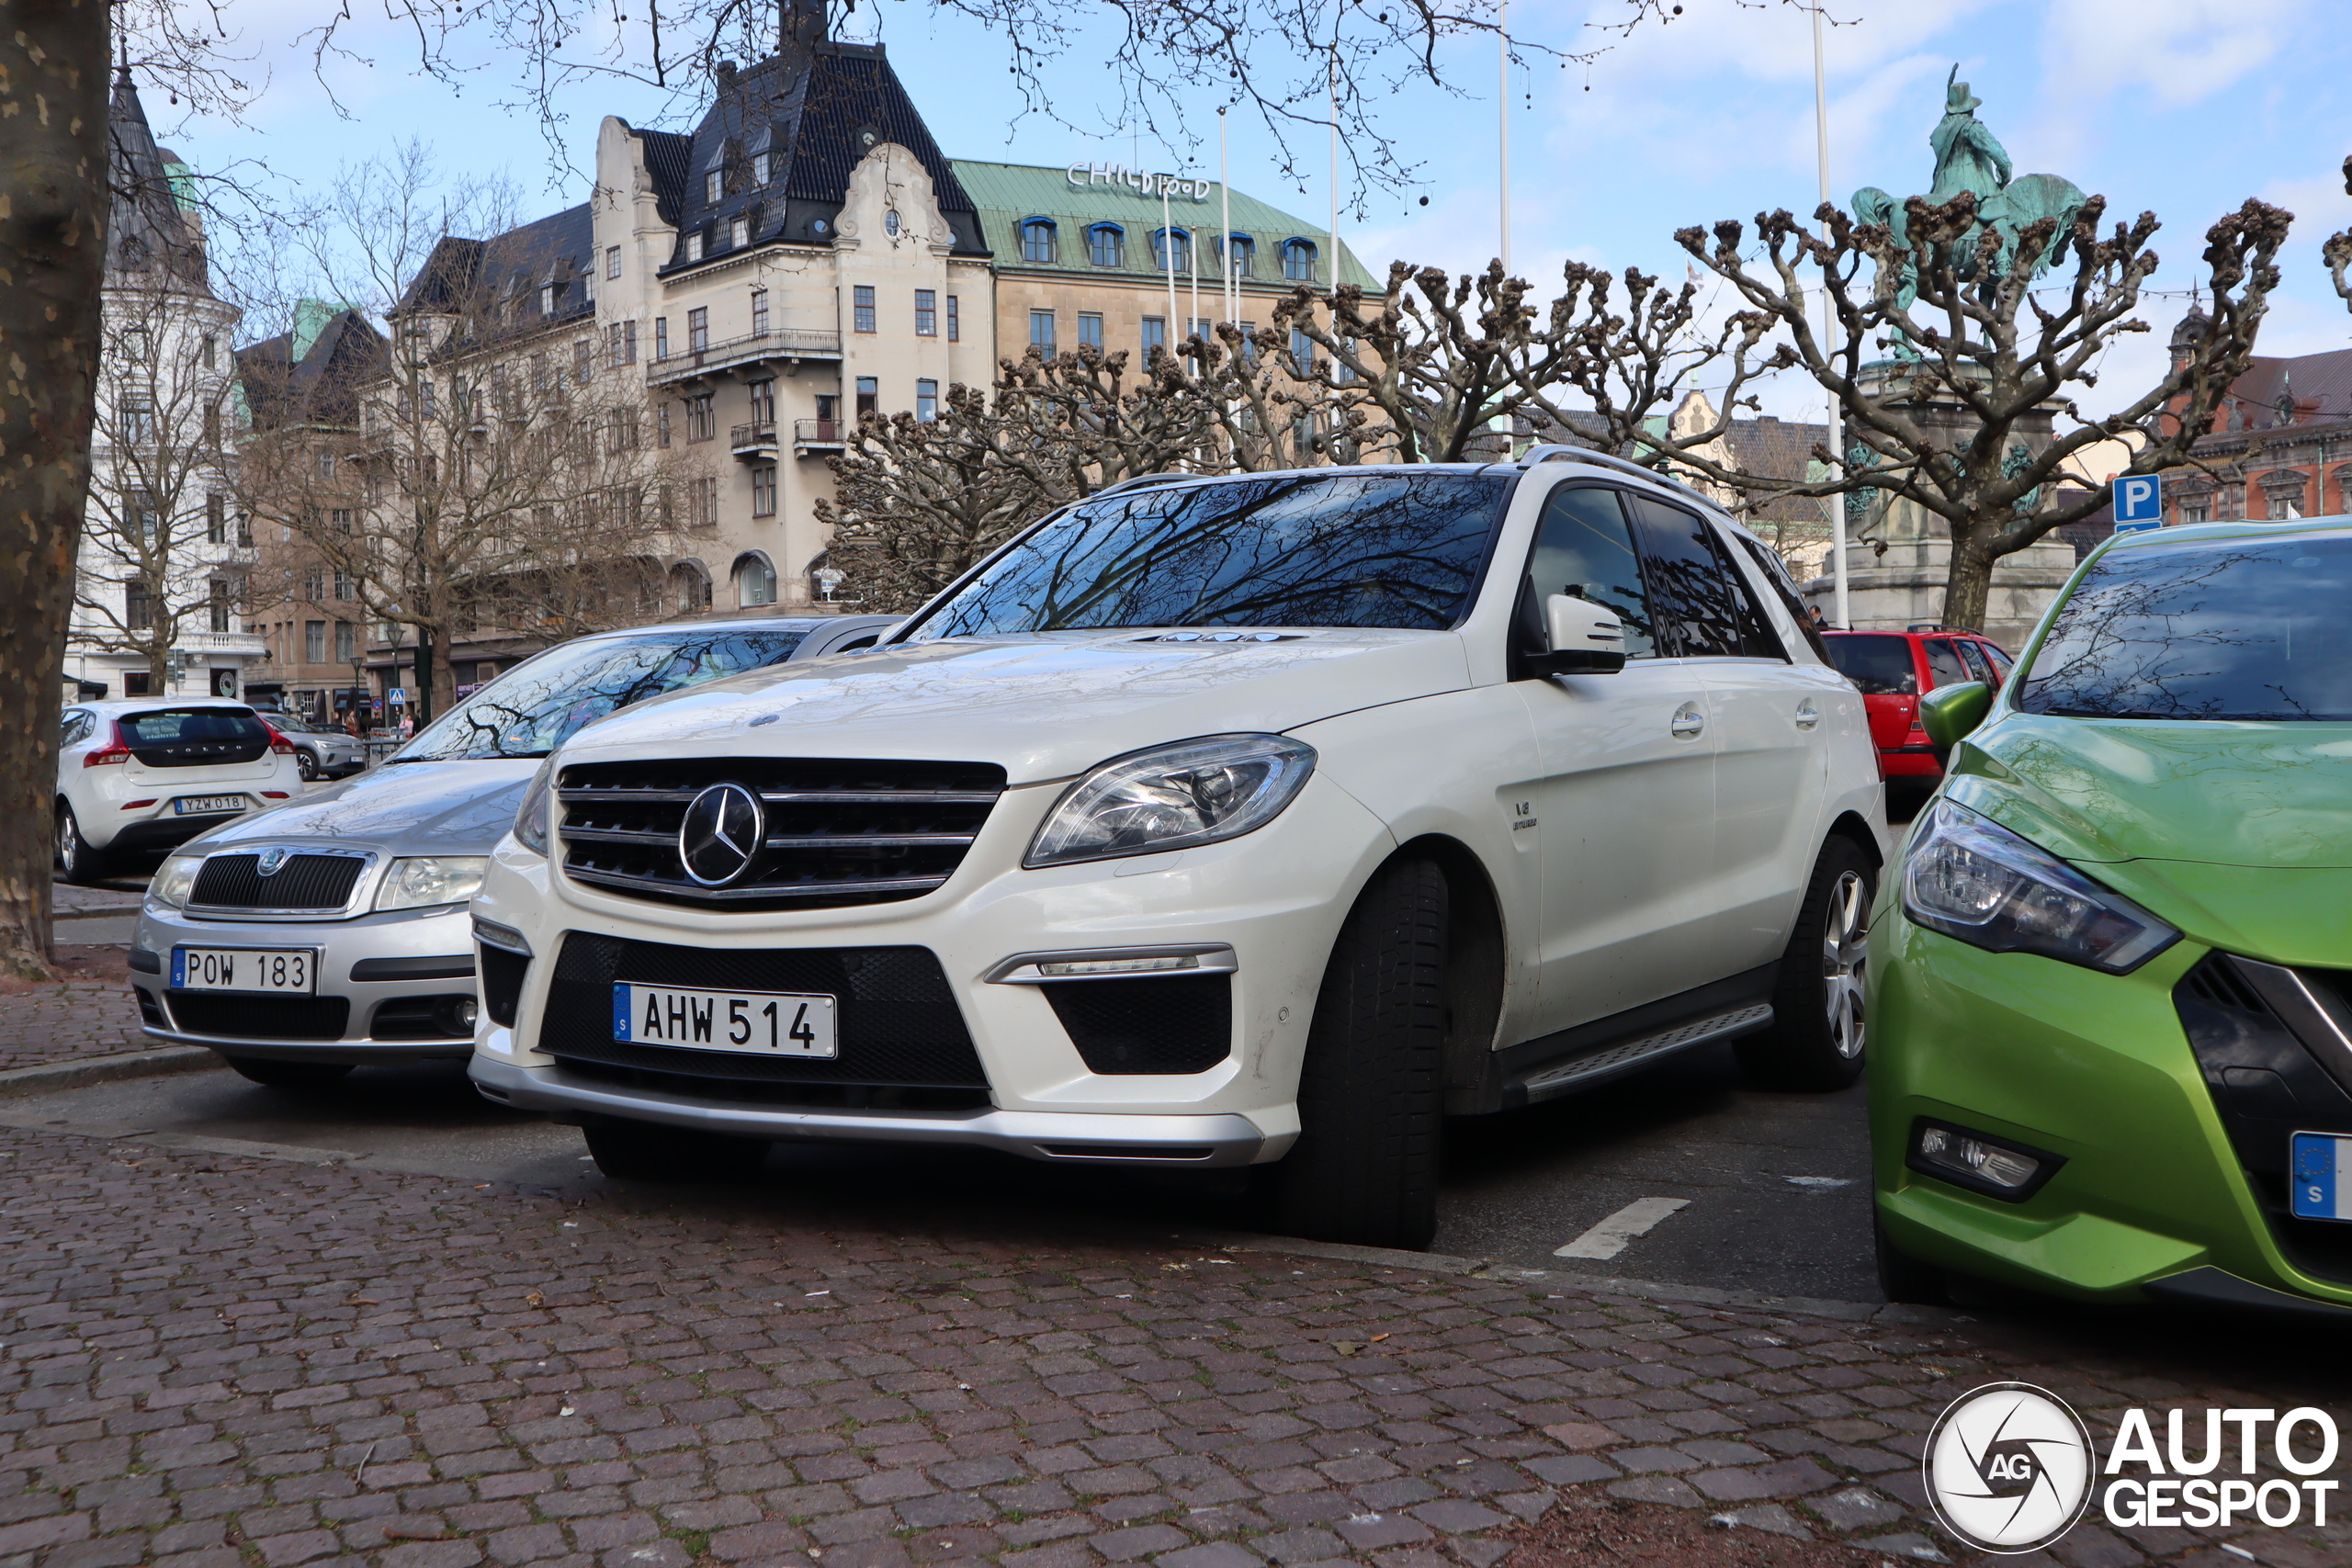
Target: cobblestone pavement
{"type": "Point", "coordinates": [220, 1361]}
{"type": "Point", "coordinates": [79, 1018]}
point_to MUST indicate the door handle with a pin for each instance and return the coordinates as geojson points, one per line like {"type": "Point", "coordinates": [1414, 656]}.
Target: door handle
{"type": "Point", "coordinates": [1687, 722]}
{"type": "Point", "coordinates": [1808, 714]}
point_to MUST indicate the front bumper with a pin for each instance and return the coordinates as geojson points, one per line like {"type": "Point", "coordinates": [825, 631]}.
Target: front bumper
{"type": "Point", "coordinates": [369, 1031]}
{"type": "Point", "coordinates": [2152, 1200]}
{"type": "Point", "coordinates": [1199, 1141]}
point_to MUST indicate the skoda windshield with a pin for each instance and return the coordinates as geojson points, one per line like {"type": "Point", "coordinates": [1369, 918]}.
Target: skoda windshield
{"type": "Point", "coordinates": [2247, 629]}
{"type": "Point", "coordinates": [1365, 547]}
{"type": "Point", "coordinates": [535, 707]}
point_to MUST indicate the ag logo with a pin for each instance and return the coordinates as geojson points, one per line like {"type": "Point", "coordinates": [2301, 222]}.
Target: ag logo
{"type": "Point", "coordinates": [2009, 1467]}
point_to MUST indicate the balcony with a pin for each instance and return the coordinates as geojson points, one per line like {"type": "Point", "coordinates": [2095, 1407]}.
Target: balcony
{"type": "Point", "coordinates": [755, 443]}
{"type": "Point", "coordinates": [780, 343]}
{"type": "Point", "coordinates": [818, 436]}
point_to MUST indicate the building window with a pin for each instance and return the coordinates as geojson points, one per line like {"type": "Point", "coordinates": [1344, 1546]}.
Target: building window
{"type": "Point", "coordinates": [347, 588]}
{"type": "Point", "coordinates": [661, 425]}
{"type": "Point", "coordinates": [346, 642]}
{"type": "Point", "coordinates": [661, 337]}
{"type": "Point", "coordinates": [216, 518]}
{"type": "Point", "coordinates": [754, 583]}
{"type": "Point", "coordinates": [612, 261]}
{"type": "Point", "coordinates": [869, 396]}
{"type": "Point", "coordinates": [583, 361]}
{"type": "Point", "coordinates": [1339, 369]}
{"type": "Point", "coordinates": [763, 491]}
{"type": "Point", "coordinates": [698, 329]}
{"type": "Point", "coordinates": [926, 313]}
{"type": "Point", "coordinates": [1302, 349]}
{"type": "Point", "coordinates": [1155, 335]}
{"type": "Point", "coordinates": [1202, 327]}
{"type": "Point", "coordinates": [694, 246]}
{"type": "Point", "coordinates": [763, 401]}
{"type": "Point", "coordinates": [700, 426]}
{"type": "Point", "coordinates": [211, 424]}
{"type": "Point", "coordinates": [759, 168]}
{"type": "Point", "coordinates": [759, 312]}
{"type": "Point", "coordinates": [143, 516]}
{"type": "Point", "coordinates": [1298, 260]}
{"type": "Point", "coordinates": [954, 334]}
{"type": "Point", "coordinates": [828, 411]}
{"type": "Point", "coordinates": [1041, 331]}
{"type": "Point", "coordinates": [926, 399]}
{"type": "Point", "coordinates": [1090, 329]}
{"type": "Point", "coordinates": [1107, 244]}
{"type": "Point", "coordinates": [1171, 249]}
{"type": "Point", "coordinates": [137, 424]}
{"type": "Point", "coordinates": [714, 185]}
{"type": "Point", "coordinates": [314, 642]}
{"type": "Point", "coordinates": [1037, 235]}
{"type": "Point", "coordinates": [138, 605]}
{"type": "Point", "coordinates": [739, 232]}
{"type": "Point", "coordinates": [207, 348]}
{"type": "Point", "coordinates": [1242, 252]}
{"type": "Point", "coordinates": [862, 308]}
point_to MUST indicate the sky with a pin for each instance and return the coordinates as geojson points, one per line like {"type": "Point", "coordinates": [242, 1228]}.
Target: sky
{"type": "Point", "coordinates": [2182, 107]}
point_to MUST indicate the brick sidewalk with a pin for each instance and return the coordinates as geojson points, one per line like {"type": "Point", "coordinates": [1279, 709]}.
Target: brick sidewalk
{"type": "Point", "coordinates": [53, 1024]}
{"type": "Point", "coordinates": [212, 1361]}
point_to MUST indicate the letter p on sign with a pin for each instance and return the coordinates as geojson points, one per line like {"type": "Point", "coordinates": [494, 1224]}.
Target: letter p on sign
{"type": "Point", "coordinates": [2139, 502]}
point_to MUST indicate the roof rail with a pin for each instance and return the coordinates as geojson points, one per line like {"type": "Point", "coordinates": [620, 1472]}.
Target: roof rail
{"type": "Point", "coordinates": [1141, 480]}
{"type": "Point", "coordinates": [1560, 453]}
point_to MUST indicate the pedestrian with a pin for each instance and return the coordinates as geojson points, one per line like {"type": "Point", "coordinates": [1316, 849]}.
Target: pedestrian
{"type": "Point", "coordinates": [1820, 622]}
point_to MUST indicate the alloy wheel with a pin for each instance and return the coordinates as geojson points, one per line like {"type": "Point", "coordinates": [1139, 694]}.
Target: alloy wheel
{"type": "Point", "coordinates": [1845, 952]}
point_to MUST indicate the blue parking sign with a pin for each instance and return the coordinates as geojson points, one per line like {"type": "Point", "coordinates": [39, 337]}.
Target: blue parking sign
{"type": "Point", "coordinates": [2139, 502]}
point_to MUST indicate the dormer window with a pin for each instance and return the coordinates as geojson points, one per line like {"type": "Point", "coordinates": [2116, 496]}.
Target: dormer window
{"type": "Point", "coordinates": [694, 246]}
{"type": "Point", "coordinates": [547, 300]}
{"type": "Point", "coordinates": [714, 185]}
{"type": "Point", "coordinates": [1298, 260]}
{"type": "Point", "coordinates": [1037, 240]}
{"type": "Point", "coordinates": [759, 168]}
{"type": "Point", "coordinates": [1107, 242]}
{"type": "Point", "coordinates": [739, 232]}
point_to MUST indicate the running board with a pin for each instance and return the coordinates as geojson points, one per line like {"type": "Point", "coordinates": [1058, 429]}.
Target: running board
{"type": "Point", "coordinates": [1613, 1061]}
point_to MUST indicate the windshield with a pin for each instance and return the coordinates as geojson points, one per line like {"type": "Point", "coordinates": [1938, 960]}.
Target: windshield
{"type": "Point", "coordinates": [1878, 666]}
{"type": "Point", "coordinates": [1364, 548]}
{"type": "Point", "coordinates": [536, 706]}
{"type": "Point", "coordinates": [2230, 629]}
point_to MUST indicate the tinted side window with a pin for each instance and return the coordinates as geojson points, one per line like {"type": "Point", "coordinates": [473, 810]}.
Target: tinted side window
{"type": "Point", "coordinates": [1878, 666]}
{"type": "Point", "coordinates": [2002, 662]}
{"type": "Point", "coordinates": [1698, 606]}
{"type": "Point", "coordinates": [1776, 574]}
{"type": "Point", "coordinates": [1583, 550]}
{"type": "Point", "coordinates": [1978, 668]}
{"type": "Point", "coordinates": [1944, 668]}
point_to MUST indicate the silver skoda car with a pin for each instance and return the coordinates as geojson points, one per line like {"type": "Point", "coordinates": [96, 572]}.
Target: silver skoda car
{"type": "Point", "coordinates": [305, 941]}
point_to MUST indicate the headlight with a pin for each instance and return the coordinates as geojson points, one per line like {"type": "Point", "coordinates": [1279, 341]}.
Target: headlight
{"type": "Point", "coordinates": [1978, 882]}
{"type": "Point", "coordinates": [427, 880]}
{"type": "Point", "coordinates": [531, 817]}
{"type": "Point", "coordinates": [1197, 792]}
{"type": "Point", "coordinates": [174, 879]}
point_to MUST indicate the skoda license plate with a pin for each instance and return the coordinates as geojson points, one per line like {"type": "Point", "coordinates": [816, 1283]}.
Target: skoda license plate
{"type": "Point", "coordinates": [2320, 1172]}
{"type": "Point", "coordinates": [207, 804]}
{"type": "Point", "coordinates": [757, 1023]}
{"type": "Point", "coordinates": [245, 969]}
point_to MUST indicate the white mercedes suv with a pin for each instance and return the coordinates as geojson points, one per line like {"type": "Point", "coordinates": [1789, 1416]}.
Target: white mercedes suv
{"type": "Point", "coordinates": [1267, 819]}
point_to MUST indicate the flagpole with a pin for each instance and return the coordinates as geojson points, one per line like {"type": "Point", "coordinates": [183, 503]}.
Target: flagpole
{"type": "Point", "coordinates": [1167, 250]}
{"type": "Point", "coordinates": [1225, 239]}
{"type": "Point", "coordinates": [1828, 332]}
{"type": "Point", "coordinates": [1502, 82]}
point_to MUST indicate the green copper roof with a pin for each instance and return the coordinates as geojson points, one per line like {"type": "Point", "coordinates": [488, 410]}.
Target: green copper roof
{"type": "Point", "coordinates": [1006, 193]}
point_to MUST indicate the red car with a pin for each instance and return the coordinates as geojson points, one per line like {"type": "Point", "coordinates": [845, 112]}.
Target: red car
{"type": "Point", "coordinates": [1891, 669]}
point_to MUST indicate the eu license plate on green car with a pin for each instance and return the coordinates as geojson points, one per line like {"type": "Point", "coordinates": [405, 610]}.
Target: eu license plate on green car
{"type": "Point", "coordinates": [2319, 1169]}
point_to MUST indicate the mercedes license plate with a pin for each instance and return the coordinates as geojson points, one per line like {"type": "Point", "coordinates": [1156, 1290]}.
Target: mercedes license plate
{"type": "Point", "coordinates": [756, 1024]}
{"type": "Point", "coordinates": [245, 969]}
{"type": "Point", "coordinates": [2320, 1167]}
{"type": "Point", "coordinates": [207, 804]}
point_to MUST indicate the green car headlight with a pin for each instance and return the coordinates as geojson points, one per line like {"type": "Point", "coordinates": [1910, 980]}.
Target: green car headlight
{"type": "Point", "coordinates": [1976, 882]}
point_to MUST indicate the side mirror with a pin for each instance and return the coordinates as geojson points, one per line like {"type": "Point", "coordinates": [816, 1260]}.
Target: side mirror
{"type": "Point", "coordinates": [1580, 637]}
{"type": "Point", "coordinates": [1948, 713]}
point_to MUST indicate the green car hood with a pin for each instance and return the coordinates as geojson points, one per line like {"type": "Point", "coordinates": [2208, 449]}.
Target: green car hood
{"type": "Point", "coordinates": [2239, 834]}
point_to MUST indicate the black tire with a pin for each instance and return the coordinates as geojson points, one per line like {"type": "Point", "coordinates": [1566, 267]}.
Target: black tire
{"type": "Point", "coordinates": [1903, 1278]}
{"type": "Point", "coordinates": [1817, 1037]}
{"type": "Point", "coordinates": [1364, 1170]}
{"type": "Point", "coordinates": [76, 861]}
{"type": "Point", "coordinates": [647, 1151]}
{"type": "Point", "coordinates": [306, 765]}
{"type": "Point", "coordinates": [280, 1074]}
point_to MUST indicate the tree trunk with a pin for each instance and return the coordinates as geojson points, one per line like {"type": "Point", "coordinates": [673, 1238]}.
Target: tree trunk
{"type": "Point", "coordinates": [53, 207]}
{"type": "Point", "coordinates": [1968, 583]}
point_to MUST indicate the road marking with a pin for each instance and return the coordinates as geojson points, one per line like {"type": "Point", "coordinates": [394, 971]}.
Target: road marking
{"type": "Point", "coordinates": [1818, 1180]}
{"type": "Point", "coordinates": [1612, 1236]}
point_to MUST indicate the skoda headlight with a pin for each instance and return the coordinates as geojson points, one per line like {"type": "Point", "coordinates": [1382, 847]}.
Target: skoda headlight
{"type": "Point", "coordinates": [1976, 882]}
{"type": "Point", "coordinates": [174, 879]}
{"type": "Point", "coordinates": [531, 817]}
{"type": "Point", "coordinates": [1170, 798]}
{"type": "Point", "coordinates": [427, 880]}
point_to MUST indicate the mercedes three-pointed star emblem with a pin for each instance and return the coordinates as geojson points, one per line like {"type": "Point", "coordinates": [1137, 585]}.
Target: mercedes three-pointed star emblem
{"type": "Point", "coordinates": [721, 834]}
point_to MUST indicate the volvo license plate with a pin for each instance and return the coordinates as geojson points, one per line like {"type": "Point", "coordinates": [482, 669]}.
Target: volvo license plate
{"type": "Point", "coordinates": [207, 804]}
{"type": "Point", "coordinates": [276, 969]}
{"type": "Point", "coordinates": [756, 1024]}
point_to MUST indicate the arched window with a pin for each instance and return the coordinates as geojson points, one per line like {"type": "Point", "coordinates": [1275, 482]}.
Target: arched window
{"type": "Point", "coordinates": [1171, 249]}
{"type": "Point", "coordinates": [1037, 236]}
{"type": "Point", "coordinates": [689, 588]}
{"type": "Point", "coordinates": [754, 583]}
{"type": "Point", "coordinates": [1108, 242]}
{"type": "Point", "coordinates": [1243, 252]}
{"type": "Point", "coordinates": [1298, 260]}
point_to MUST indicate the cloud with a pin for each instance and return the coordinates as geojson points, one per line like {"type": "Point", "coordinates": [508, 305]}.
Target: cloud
{"type": "Point", "coordinates": [2183, 51]}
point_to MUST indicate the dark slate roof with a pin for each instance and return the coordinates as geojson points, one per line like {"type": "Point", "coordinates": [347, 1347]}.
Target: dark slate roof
{"type": "Point", "coordinates": [668, 156]}
{"type": "Point", "coordinates": [308, 375]}
{"type": "Point", "coordinates": [148, 229]}
{"type": "Point", "coordinates": [476, 275]}
{"type": "Point", "coordinates": [1778, 449]}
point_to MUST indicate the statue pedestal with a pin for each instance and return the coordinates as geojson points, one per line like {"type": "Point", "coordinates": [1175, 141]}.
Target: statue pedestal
{"type": "Point", "coordinates": [1905, 587]}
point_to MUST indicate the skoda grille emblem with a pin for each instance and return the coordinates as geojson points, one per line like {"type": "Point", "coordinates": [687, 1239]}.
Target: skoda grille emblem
{"type": "Point", "coordinates": [721, 834]}
{"type": "Point", "coordinates": [2009, 1467]}
{"type": "Point", "coordinates": [270, 861]}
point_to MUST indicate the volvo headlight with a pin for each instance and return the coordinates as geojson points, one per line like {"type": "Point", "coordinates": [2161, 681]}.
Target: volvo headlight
{"type": "Point", "coordinates": [1976, 882]}
{"type": "Point", "coordinates": [174, 880]}
{"type": "Point", "coordinates": [1170, 798]}
{"type": "Point", "coordinates": [426, 880]}
{"type": "Point", "coordinates": [531, 817]}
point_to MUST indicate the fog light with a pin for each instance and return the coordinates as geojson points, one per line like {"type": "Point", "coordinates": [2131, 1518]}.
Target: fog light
{"type": "Point", "coordinates": [1997, 1167]}
{"type": "Point", "coordinates": [1118, 966]}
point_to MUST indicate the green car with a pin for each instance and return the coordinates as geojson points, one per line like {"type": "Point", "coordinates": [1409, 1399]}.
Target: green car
{"type": "Point", "coordinates": [2110, 979]}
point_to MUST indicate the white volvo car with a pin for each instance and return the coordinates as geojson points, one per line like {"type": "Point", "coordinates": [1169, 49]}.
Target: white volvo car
{"type": "Point", "coordinates": [1258, 820]}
